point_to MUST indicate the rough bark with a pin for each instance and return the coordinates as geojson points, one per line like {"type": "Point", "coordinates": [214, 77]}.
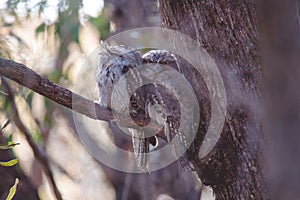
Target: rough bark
{"type": "Point", "coordinates": [228, 30]}
{"type": "Point", "coordinates": [30, 79]}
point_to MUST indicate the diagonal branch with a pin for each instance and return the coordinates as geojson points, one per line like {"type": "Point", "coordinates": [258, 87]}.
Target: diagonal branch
{"type": "Point", "coordinates": [30, 79]}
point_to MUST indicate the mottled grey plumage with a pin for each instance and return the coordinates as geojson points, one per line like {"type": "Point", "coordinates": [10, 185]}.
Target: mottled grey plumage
{"type": "Point", "coordinates": [114, 62]}
{"type": "Point", "coordinates": [151, 102]}
{"type": "Point", "coordinates": [165, 108]}
{"type": "Point", "coordinates": [159, 56]}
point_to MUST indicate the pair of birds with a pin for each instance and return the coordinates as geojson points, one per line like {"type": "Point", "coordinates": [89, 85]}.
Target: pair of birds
{"type": "Point", "coordinates": [150, 102]}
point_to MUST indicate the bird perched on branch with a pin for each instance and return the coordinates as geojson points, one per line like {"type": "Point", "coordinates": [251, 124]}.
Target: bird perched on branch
{"type": "Point", "coordinates": [149, 102]}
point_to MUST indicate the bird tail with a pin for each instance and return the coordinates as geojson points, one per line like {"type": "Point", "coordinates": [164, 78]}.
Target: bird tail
{"type": "Point", "coordinates": [141, 149]}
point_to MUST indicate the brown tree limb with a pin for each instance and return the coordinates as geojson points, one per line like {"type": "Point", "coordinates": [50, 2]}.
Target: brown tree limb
{"type": "Point", "coordinates": [30, 79]}
{"type": "Point", "coordinates": [38, 153]}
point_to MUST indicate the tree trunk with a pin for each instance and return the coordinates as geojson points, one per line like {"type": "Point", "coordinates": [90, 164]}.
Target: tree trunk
{"type": "Point", "coordinates": [228, 31]}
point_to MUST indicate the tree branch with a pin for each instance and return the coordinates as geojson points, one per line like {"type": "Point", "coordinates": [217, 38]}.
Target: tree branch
{"type": "Point", "coordinates": [30, 79]}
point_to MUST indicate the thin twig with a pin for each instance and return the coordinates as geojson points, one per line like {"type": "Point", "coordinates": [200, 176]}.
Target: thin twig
{"type": "Point", "coordinates": [45, 132]}
{"type": "Point", "coordinates": [5, 125]}
{"type": "Point", "coordinates": [40, 154]}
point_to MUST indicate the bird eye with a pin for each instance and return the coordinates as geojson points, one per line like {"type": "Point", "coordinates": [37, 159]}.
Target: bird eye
{"type": "Point", "coordinates": [125, 69]}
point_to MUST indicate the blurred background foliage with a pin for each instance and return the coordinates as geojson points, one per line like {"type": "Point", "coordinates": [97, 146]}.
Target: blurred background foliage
{"type": "Point", "coordinates": [54, 38]}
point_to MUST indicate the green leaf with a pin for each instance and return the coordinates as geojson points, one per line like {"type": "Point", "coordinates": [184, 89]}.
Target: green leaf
{"type": "Point", "coordinates": [37, 136]}
{"type": "Point", "coordinates": [9, 163]}
{"type": "Point", "coordinates": [9, 138]}
{"type": "Point", "coordinates": [9, 145]}
{"type": "Point", "coordinates": [41, 28]}
{"type": "Point", "coordinates": [55, 75]}
{"type": "Point", "coordinates": [102, 23]}
{"type": "Point", "coordinates": [12, 190]}
{"type": "Point", "coordinates": [7, 107]}
{"type": "Point", "coordinates": [29, 98]}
